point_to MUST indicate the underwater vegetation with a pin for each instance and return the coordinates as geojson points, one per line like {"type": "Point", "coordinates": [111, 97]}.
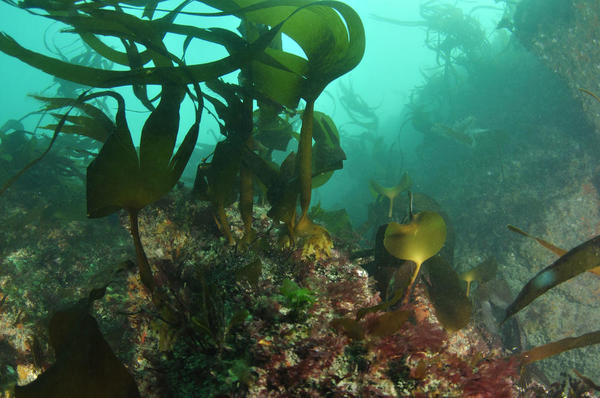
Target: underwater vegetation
{"type": "Point", "coordinates": [236, 289]}
{"type": "Point", "coordinates": [122, 176]}
{"type": "Point", "coordinates": [452, 34]}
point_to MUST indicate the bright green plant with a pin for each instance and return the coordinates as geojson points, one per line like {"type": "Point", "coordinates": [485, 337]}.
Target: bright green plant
{"type": "Point", "coordinates": [297, 299]}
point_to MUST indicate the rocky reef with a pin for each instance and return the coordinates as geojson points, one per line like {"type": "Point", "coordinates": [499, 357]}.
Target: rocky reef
{"type": "Point", "coordinates": [564, 35]}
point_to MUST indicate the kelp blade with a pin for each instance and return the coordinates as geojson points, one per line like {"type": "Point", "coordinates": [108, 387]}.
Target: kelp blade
{"type": "Point", "coordinates": [554, 249]}
{"type": "Point", "coordinates": [85, 364]}
{"type": "Point", "coordinates": [580, 259]}
{"type": "Point", "coordinates": [560, 346]}
{"type": "Point", "coordinates": [452, 307]}
{"type": "Point", "coordinates": [333, 45]}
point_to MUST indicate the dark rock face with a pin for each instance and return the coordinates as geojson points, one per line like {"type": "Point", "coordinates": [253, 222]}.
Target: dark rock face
{"type": "Point", "coordinates": [564, 34]}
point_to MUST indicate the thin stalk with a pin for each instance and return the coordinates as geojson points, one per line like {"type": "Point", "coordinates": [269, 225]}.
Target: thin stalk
{"type": "Point", "coordinates": [143, 265]}
{"type": "Point", "coordinates": [225, 228]}
{"type": "Point", "coordinates": [305, 157]}
{"type": "Point", "coordinates": [246, 196]}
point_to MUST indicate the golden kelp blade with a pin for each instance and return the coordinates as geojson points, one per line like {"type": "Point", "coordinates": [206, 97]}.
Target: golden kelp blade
{"type": "Point", "coordinates": [388, 323]}
{"type": "Point", "coordinates": [580, 259]}
{"type": "Point", "coordinates": [384, 325]}
{"type": "Point", "coordinates": [452, 307]}
{"type": "Point", "coordinates": [560, 346]}
{"type": "Point", "coordinates": [554, 249]}
{"type": "Point", "coordinates": [392, 192]}
{"type": "Point", "coordinates": [418, 240]}
{"type": "Point", "coordinates": [482, 273]}
{"type": "Point", "coordinates": [350, 327]}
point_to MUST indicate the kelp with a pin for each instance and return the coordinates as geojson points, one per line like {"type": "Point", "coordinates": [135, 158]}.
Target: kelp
{"type": "Point", "coordinates": [392, 192]}
{"type": "Point", "coordinates": [391, 274]}
{"type": "Point", "coordinates": [336, 221]}
{"type": "Point", "coordinates": [417, 241]}
{"type": "Point", "coordinates": [333, 46]}
{"type": "Point", "coordinates": [560, 346]}
{"type": "Point", "coordinates": [85, 364]}
{"type": "Point", "coordinates": [450, 32]}
{"type": "Point", "coordinates": [125, 177]}
{"type": "Point", "coordinates": [451, 305]}
{"type": "Point", "coordinates": [327, 152]}
{"type": "Point", "coordinates": [380, 326]}
{"type": "Point", "coordinates": [91, 20]}
{"type": "Point", "coordinates": [215, 180]}
{"type": "Point", "coordinates": [357, 108]}
{"type": "Point", "coordinates": [33, 162]}
{"type": "Point", "coordinates": [92, 123]}
{"type": "Point", "coordinates": [483, 272]}
{"type": "Point", "coordinates": [120, 179]}
{"type": "Point", "coordinates": [282, 182]}
{"type": "Point", "coordinates": [588, 382]}
{"type": "Point", "coordinates": [553, 248]}
{"type": "Point", "coordinates": [580, 259]}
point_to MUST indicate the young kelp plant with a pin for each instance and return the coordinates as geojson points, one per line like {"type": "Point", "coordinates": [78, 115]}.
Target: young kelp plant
{"type": "Point", "coordinates": [421, 238]}
{"type": "Point", "coordinates": [391, 192]}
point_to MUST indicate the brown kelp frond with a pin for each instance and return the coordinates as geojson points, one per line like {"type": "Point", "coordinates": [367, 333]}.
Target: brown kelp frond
{"type": "Point", "coordinates": [85, 364]}
{"type": "Point", "coordinates": [376, 327]}
{"type": "Point", "coordinates": [452, 306]}
{"type": "Point", "coordinates": [483, 272]}
{"type": "Point", "coordinates": [588, 382]}
{"type": "Point", "coordinates": [90, 21]}
{"type": "Point", "coordinates": [554, 249]}
{"type": "Point", "coordinates": [580, 259]}
{"type": "Point", "coordinates": [33, 162]}
{"type": "Point", "coordinates": [392, 192]}
{"type": "Point", "coordinates": [588, 92]}
{"type": "Point", "coordinates": [419, 240]}
{"type": "Point", "coordinates": [557, 347]}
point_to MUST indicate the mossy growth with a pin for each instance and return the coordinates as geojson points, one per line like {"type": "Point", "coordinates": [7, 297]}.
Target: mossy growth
{"type": "Point", "coordinates": [297, 299]}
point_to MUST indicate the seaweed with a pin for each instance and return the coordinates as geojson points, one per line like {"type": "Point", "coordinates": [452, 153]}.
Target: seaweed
{"type": "Point", "coordinates": [336, 31]}
{"type": "Point", "coordinates": [482, 273]}
{"type": "Point", "coordinates": [85, 363]}
{"type": "Point", "coordinates": [357, 108]}
{"type": "Point", "coordinates": [580, 259]}
{"type": "Point", "coordinates": [392, 192]}
{"type": "Point", "coordinates": [419, 240]}
{"type": "Point", "coordinates": [452, 306]}
{"type": "Point", "coordinates": [297, 299]}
